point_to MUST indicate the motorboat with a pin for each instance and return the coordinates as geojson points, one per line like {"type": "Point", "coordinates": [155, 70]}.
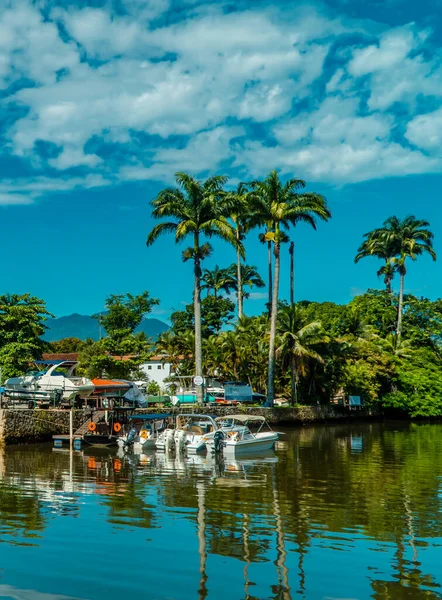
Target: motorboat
{"type": "Point", "coordinates": [60, 377]}
{"type": "Point", "coordinates": [191, 428]}
{"type": "Point", "coordinates": [238, 438]}
{"type": "Point", "coordinates": [115, 391]}
{"type": "Point", "coordinates": [143, 431]}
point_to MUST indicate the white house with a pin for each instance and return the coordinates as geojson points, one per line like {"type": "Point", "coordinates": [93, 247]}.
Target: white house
{"type": "Point", "coordinates": [157, 370]}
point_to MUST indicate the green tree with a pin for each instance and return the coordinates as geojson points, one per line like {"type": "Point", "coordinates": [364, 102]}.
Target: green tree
{"type": "Point", "coordinates": [380, 247]}
{"type": "Point", "coordinates": [281, 206]}
{"type": "Point", "coordinates": [215, 314]}
{"type": "Point", "coordinates": [243, 221]}
{"type": "Point", "coordinates": [408, 238]}
{"type": "Point", "coordinates": [197, 209]}
{"type": "Point", "coordinates": [22, 318]}
{"type": "Point", "coordinates": [248, 277]}
{"type": "Point", "coordinates": [395, 242]}
{"type": "Point", "coordinates": [66, 345]}
{"type": "Point", "coordinates": [298, 340]}
{"type": "Point", "coordinates": [124, 312]}
{"type": "Point", "coordinates": [218, 280]}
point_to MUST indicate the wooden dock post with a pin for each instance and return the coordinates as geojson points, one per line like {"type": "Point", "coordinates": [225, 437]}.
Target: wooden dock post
{"type": "Point", "coordinates": [71, 428]}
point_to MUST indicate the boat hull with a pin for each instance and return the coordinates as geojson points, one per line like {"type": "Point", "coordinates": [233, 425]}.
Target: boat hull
{"type": "Point", "coordinates": [102, 441]}
{"type": "Point", "coordinates": [257, 444]}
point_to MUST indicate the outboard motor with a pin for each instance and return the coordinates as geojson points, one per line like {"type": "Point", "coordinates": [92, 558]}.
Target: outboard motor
{"type": "Point", "coordinates": [130, 437]}
{"type": "Point", "coordinates": [169, 442]}
{"type": "Point", "coordinates": [180, 441]}
{"type": "Point", "coordinates": [218, 441]}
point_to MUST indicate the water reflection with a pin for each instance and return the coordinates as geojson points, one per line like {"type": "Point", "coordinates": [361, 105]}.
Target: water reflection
{"type": "Point", "coordinates": [336, 512]}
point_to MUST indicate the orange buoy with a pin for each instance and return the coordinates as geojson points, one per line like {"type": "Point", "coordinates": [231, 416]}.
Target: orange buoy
{"type": "Point", "coordinates": [92, 426]}
{"type": "Point", "coordinates": [91, 463]}
{"type": "Point", "coordinates": [117, 465]}
{"type": "Point", "coordinates": [117, 427]}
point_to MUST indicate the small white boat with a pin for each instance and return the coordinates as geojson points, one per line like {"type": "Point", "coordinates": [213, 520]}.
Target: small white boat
{"type": "Point", "coordinates": [194, 428]}
{"type": "Point", "coordinates": [238, 438]}
{"type": "Point", "coordinates": [144, 431]}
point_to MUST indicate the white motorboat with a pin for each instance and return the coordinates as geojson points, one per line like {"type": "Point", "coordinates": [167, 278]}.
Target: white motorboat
{"type": "Point", "coordinates": [144, 431]}
{"type": "Point", "coordinates": [59, 377]}
{"type": "Point", "coordinates": [238, 438]}
{"type": "Point", "coordinates": [194, 428]}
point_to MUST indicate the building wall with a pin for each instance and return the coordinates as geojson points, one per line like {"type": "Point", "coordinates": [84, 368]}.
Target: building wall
{"type": "Point", "coordinates": [156, 371]}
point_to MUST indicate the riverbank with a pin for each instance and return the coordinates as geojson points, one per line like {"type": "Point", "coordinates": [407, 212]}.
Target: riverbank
{"type": "Point", "coordinates": [33, 426]}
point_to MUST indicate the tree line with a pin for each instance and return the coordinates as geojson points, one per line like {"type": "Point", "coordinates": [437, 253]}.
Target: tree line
{"type": "Point", "coordinates": [382, 345]}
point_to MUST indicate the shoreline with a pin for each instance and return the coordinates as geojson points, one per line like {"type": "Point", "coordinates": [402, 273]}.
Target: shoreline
{"type": "Point", "coordinates": [32, 426]}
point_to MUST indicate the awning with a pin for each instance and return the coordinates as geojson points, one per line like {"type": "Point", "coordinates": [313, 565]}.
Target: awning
{"type": "Point", "coordinates": [149, 417]}
{"type": "Point", "coordinates": [241, 418]}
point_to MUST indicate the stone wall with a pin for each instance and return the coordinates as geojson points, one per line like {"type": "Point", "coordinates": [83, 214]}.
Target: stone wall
{"type": "Point", "coordinates": [298, 415]}
{"type": "Point", "coordinates": [31, 426]}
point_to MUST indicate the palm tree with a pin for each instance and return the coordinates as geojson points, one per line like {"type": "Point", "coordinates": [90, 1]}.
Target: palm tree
{"type": "Point", "coordinates": [218, 280]}
{"type": "Point", "coordinates": [292, 272]}
{"type": "Point", "coordinates": [249, 277]}
{"type": "Point", "coordinates": [408, 238]}
{"type": "Point", "coordinates": [196, 209]}
{"type": "Point", "coordinates": [297, 341]}
{"type": "Point", "coordinates": [377, 245]}
{"type": "Point", "coordinates": [264, 239]}
{"type": "Point", "coordinates": [281, 205]}
{"type": "Point", "coordinates": [243, 222]}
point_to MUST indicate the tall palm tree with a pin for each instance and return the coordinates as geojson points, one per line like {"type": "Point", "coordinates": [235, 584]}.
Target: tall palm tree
{"type": "Point", "coordinates": [407, 238]}
{"type": "Point", "coordinates": [377, 245]}
{"type": "Point", "coordinates": [280, 206]}
{"type": "Point", "coordinates": [264, 239]}
{"type": "Point", "coordinates": [296, 343]}
{"type": "Point", "coordinates": [242, 222]}
{"type": "Point", "coordinates": [195, 208]}
{"type": "Point", "coordinates": [292, 272]}
{"type": "Point", "coordinates": [218, 280]}
{"type": "Point", "coordinates": [249, 277]}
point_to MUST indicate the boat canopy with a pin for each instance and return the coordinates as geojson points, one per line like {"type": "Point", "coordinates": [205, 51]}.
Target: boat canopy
{"type": "Point", "coordinates": [242, 418]}
{"type": "Point", "coordinates": [149, 417]}
{"type": "Point", "coordinates": [196, 416]}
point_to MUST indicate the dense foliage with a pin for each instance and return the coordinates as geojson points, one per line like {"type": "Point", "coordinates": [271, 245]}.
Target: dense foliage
{"type": "Point", "coordinates": [22, 320]}
{"type": "Point", "coordinates": [326, 349]}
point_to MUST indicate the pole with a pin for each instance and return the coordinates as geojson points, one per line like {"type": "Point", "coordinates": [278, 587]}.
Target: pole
{"type": "Point", "coordinates": [71, 427]}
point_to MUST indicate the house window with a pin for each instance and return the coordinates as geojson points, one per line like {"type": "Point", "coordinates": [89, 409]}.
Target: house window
{"type": "Point", "coordinates": [159, 367]}
{"type": "Point", "coordinates": [149, 367]}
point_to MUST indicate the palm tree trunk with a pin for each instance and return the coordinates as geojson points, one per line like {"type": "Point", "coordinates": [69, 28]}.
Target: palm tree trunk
{"type": "Point", "coordinates": [197, 315]}
{"type": "Point", "coordinates": [292, 272]}
{"type": "Point", "coordinates": [293, 394]}
{"type": "Point", "coordinates": [239, 278]}
{"type": "Point", "coordinates": [269, 258]}
{"type": "Point", "coordinates": [273, 322]}
{"type": "Point", "coordinates": [399, 311]}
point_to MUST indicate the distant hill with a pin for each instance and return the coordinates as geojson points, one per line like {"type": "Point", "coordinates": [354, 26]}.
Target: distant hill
{"type": "Point", "coordinates": [85, 326]}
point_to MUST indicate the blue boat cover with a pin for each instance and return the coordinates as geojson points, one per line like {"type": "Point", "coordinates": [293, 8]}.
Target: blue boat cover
{"type": "Point", "coordinates": [150, 417]}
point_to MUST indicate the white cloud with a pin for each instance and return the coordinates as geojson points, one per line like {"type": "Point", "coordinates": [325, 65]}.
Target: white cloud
{"type": "Point", "coordinates": [210, 76]}
{"type": "Point", "coordinates": [13, 199]}
{"type": "Point", "coordinates": [425, 131]}
{"type": "Point", "coordinates": [394, 46]}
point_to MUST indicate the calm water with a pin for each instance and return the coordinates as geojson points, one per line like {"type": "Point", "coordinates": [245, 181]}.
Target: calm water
{"type": "Point", "coordinates": [336, 513]}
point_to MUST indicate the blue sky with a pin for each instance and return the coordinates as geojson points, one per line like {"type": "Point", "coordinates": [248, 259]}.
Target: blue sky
{"type": "Point", "coordinates": [102, 102]}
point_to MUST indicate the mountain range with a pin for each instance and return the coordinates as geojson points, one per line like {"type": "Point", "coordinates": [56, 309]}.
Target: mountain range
{"type": "Point", "coordinates": [85, 326]}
